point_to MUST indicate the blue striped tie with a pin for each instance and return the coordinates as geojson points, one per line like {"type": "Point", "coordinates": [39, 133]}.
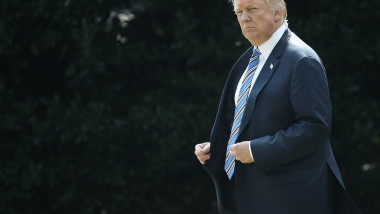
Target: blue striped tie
{"type": "Point", "coordinates": [229, 165]}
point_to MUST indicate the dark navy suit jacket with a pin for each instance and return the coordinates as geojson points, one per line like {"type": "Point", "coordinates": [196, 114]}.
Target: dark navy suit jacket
{"type": "Point", "coordinates": [288, 122]}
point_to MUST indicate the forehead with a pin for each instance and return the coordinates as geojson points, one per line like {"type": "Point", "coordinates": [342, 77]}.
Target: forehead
{"type": "Point", "coordinates": [244, 3]}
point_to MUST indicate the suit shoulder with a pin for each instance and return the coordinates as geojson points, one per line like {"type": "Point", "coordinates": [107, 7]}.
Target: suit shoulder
{"type": "Point", "coordinates": [298, 49]}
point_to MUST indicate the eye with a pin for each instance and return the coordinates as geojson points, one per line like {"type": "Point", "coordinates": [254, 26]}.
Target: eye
{"type": "Point", "coordinates": [239, 12]}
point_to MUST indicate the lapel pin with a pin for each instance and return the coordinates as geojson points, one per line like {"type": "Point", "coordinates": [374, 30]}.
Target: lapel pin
{"type": "Point", "coordinates": [271, 66]}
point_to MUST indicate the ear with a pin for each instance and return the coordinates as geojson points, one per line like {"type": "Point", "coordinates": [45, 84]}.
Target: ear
{"type": "Point", "coordinates": [277, 15]}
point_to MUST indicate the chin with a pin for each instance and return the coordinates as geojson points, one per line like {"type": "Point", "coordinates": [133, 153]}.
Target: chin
{"type": "Point", "coordinates": [253, 41]}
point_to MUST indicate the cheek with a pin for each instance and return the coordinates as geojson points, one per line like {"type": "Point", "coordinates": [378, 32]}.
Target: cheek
{"type": "Point", "coordinates": [270, 22]}
{"type": "Point", "coordinates": [241, 26]}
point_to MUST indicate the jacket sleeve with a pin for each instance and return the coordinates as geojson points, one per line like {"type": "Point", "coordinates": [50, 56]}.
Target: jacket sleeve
{"type": "Point", "coordinates": [310, 101]}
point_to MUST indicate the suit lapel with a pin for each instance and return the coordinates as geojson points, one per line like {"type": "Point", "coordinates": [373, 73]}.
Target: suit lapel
{"type": "Point", "coordinates": [266, 72]}
{"type": "Point", "coordinates": [230, 86]}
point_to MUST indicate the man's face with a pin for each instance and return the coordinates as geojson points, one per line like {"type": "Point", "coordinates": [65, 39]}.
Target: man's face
{"type": "Point", "coordinates": [257, 21]}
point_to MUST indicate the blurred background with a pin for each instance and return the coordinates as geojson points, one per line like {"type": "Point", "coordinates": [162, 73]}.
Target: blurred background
{"type": "Point", "coordinates": [102, 102]}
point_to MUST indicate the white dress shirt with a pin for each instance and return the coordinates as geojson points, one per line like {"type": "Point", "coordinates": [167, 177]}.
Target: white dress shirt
{"type": "Point", "coordinates": [265, 49]}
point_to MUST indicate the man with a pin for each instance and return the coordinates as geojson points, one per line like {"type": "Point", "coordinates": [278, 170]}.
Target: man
{"type": "Point", "coordinates": [270, 151]}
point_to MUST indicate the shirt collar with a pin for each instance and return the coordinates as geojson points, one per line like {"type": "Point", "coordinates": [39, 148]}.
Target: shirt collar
{"type": "Point", "coordinates": [267, 47]}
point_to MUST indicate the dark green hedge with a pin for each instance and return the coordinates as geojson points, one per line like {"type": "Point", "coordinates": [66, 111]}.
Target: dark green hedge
{"type": "Point", "coordinates": [102, 102]}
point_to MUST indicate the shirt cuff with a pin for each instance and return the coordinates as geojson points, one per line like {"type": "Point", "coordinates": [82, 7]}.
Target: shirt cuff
{"type": "Point", "coordinates": [250, 151]}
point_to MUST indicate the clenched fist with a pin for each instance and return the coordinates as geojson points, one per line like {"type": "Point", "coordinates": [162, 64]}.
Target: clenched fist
{"type": "Point", "coordinates": [241, 152]}
{"type": "Point", "coordinates": [202, 152]}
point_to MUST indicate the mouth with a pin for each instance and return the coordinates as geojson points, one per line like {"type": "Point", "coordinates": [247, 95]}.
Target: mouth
{"type": "Point", "coordinates": [249, 28]}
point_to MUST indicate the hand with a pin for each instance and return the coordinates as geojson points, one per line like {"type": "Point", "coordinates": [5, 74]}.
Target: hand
{"type": "Point", "coordinates": [202, 152]}
{"type": "Point", "coordinates": [241, 152]}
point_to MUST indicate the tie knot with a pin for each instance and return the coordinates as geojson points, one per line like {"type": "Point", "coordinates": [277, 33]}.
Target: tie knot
{"type": "Point", "coordinates": [256, 51]}
{"type": "Point", "coordinates": [255, 55]}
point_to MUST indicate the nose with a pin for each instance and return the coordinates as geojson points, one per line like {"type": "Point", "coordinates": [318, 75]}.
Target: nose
{"type": "Point", "coordinates": [245, 16]}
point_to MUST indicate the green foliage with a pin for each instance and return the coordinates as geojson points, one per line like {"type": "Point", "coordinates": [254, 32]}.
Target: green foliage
{"type": "Point", "coordinates": [102, 102]}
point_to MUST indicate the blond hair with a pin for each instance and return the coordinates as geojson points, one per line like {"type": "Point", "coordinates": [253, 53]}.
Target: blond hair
{"type": "Point", "coordinates": [275, 5]}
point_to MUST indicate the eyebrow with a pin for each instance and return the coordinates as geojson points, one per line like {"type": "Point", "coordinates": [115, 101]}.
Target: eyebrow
{"type": "Point", "coordinates": [247, 5]}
